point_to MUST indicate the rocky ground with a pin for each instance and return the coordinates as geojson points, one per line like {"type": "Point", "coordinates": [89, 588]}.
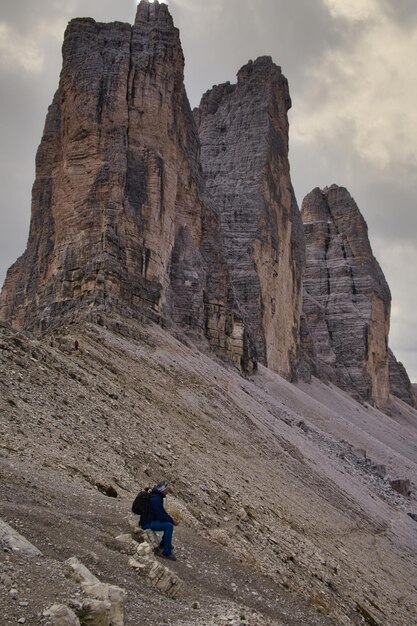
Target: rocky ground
{"type": "Point", "coordinates": [288, 513]}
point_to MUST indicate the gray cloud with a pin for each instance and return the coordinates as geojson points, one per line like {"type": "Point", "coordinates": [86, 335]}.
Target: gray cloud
{"type": "Point", "coordinates": [353, 84]}
{"type": "Point", "coordinates": [403, 11]}
{"type": "Point", "coordinates": [225, 35]}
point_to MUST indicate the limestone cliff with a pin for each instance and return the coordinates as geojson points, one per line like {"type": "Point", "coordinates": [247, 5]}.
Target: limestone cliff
{"type": "Point", "coordinates": [346, 297]}
{"type": "Point", "coordinates": [400, 384]}
{"type": "Point", "coordinates": [119, 221]}
{"type": "Point", "coordinates": [243, 130]}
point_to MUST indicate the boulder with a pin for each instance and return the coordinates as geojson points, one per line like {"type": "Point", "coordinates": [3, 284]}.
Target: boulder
{"type": "Point", "coordinates": [12, 540]}
{"type": "Point", "coordinates": [61, 615]}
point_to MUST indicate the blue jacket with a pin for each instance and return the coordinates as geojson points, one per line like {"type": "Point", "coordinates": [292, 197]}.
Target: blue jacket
{"type": "Point", "coordinates": [157, 512]}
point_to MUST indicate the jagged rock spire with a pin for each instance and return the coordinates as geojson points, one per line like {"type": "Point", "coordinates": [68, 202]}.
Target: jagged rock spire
{"type": "Point", "coordinates": [243, 131]}
{"type": "Point", "coordinates": [119, 221]}
{"type": "Point", "coordinates": [153, 12]}
{"type": "Point", "coordinates": [346, 297]}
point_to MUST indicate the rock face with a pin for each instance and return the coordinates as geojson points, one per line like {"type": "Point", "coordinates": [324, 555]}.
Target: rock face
{"type": "Point", "coordinates": [346, 297]}
{"type": "Point", "coordinates": [400, 384]}
{"type": "Point", "coordinates": [119, 221]}
{"type": "Point", "coordinates": [243, 131]}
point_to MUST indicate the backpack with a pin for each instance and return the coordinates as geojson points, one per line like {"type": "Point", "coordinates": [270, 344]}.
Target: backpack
{"type": "Point", "coordinates": [142, 503]}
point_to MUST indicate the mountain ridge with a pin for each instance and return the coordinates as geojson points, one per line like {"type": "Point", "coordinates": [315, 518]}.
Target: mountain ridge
{"type": "Point", "coordinates": [142, 209]}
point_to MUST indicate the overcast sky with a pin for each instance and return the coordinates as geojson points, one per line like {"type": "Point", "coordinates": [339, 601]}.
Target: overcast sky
{"type": "Point", "coordinates": [352, 69]}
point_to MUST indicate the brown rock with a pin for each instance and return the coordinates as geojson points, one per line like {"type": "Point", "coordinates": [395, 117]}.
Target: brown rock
{"type": "Point", "coordinates": [243, 131]}
{"type": "Point", "coordinates": [346, 297]}
{"type": "Point", "coordinates": [402, 486]}
{"type": "Point", "coordinates": [119, 221]}
{"type": "Point", "coordinates": [400, 384]}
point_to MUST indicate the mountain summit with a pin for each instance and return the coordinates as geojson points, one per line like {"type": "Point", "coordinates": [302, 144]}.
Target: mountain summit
{"type": "Point", "coordinates": [141, 208]}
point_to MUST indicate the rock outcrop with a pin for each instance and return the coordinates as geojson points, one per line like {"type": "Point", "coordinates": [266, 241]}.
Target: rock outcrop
{"type": "Point", "coordinates": [119, 220]}
{"type": "Point", "coordinates": [243, 130]}
{"type": "Point", "coordinates": [400, 384]}
{"type": "Point", "coordinates": [346, 297]}
{"type": "Point", "coordinates": [10, 539]}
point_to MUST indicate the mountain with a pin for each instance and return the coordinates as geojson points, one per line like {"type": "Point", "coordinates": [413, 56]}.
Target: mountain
{"type": "Point", "coordinates": [347, 300]}
{"type": "Point", "coordinates": [119, 219]}
{"type": "Point", "coordinates": [243, 130]}
{"type": "Point", "coordinates": [143, 209]}
{"type": "Point", "coordinates": [175, 316]}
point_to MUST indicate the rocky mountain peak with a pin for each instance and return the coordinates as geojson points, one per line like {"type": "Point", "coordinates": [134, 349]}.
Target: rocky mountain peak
{"type": "Point", "coordinates": [153, 13]}
{"type": "Point", "coordinates": [140, 208]}
{"type": "Point", "coordinates": [243, 130]}
{"type": "Point", "coordinates": [120, 223]}
{"type": "Point", "coordinates": [345, 296]}
{"type": "Point", "coordinates": [261, 68]}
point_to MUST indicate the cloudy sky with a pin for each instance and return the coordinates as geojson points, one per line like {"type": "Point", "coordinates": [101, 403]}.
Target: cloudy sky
{"type": "Point", "coordinates": [351, 65]}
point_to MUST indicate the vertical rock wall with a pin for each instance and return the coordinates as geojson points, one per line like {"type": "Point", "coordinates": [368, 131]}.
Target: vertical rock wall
{"type": "Point", "coordinates": [243, 131]}
{"type": "Point", "coordinates": [119, 221]}
{"type": "Point", "coordinates": [400, 384]}
{"type": "Point", "coordinates": [346, 300]}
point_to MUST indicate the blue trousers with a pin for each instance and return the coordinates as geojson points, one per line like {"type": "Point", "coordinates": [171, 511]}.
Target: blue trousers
{"type": "Point", "coordinates": [168, 529]}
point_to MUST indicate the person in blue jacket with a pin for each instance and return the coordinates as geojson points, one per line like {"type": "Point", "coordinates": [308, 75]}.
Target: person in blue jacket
{"type": "Point", "coordinates": [157, 519]}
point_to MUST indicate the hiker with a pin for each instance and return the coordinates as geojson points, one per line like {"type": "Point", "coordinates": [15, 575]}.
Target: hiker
{"type": "Point", "coordinates": [157, 519]}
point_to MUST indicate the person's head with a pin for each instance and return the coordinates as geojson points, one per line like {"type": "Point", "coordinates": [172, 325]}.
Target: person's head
{"type": "Point", "coordinates": [163, 486]}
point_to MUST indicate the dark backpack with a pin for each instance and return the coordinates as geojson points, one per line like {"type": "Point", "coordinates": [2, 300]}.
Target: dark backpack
{"type": "Point", "coordinates": [142, 503]}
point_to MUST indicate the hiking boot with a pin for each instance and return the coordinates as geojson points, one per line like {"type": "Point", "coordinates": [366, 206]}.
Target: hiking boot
{"type": "Point", "coordinates": [171, 556]}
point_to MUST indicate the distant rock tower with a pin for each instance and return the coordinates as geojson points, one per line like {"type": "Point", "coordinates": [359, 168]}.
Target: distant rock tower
{"type": "Point", "coordinates": [243, 131]}
{"type": "Point", "coordinates": [346, 297]}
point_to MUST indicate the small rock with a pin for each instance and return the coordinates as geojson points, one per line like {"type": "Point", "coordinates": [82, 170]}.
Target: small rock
{"type": "Point", "coordinates": [242, 515]}
{"type": "Point", "coordinates": [107, 490]}
{"type": "Point", "coordinates": [402, 486]}
{"type": "Point", "coordinates": [6, 580]}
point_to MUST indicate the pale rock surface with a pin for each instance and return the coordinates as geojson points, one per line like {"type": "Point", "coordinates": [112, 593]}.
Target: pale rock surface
{"type": "Point", "coordinates": [158, 575]}
{"type": "Point", "coordinates": [119, 221]}
{"type": "Point", "coordinates": [61, 615]}
{"type": "Point", "coordinates": [110, 594]}
{"type": "Point", "coordinates": [346, 298]}
{"type": "Point", "coordinates": [103, 602]}
{"type": "Point", "coordinates": [10, 539]}
{"type": "Point", "coordinates": [80, 572]}
{"type": "Point", "coordinates": [243, 130]}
